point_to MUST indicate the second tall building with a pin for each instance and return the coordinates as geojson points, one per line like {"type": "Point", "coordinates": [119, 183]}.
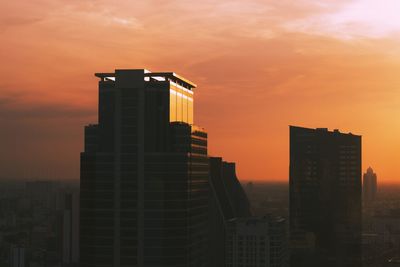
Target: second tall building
{"type": "Point", "coordinates": [325, 198]}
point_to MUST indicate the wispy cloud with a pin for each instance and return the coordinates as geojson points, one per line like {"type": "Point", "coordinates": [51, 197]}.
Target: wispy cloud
{"type": "Point", "coordinates": [17, 106]}
{"type": "Point", "coordinates": [126, 21]}
{"type": "Point", "coordinates": [356, 19]}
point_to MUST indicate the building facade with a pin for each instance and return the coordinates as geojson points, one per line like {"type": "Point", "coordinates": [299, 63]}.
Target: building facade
{"type": "Point", "coordinates": [325, 198]}
{"type": "Point", "coordinates": [257, 242]}
{"type": "Point", "coordinates": [144, 175]}
{"type": "Point", "coordinates": [69, 232]}
{"type": "Point", "coordinates": [227, 201]}
{"type": "Point", "coordinates": [369, 187]}
{"type": "Point", "coordinates": [17, 256]}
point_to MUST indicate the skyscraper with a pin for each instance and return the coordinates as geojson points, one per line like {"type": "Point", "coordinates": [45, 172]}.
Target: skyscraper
{"type": "Point", "coordinates": [369, 187]}
{"type": "Point", "coordinates": [227, 201]}
{"type": "Point", "coordinates": [17, 256]}
{"type": "Point", "coordinates": [144, 175]}
{"type": "Point", "coordinates": [69, 228]}
{"type": "Point", "coordinates": [325, 198]}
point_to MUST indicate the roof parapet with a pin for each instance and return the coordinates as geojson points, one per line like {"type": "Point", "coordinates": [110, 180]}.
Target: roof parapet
{"type": "Point", "coordinates": [166, 75]}
{"type": "Point", "coordinates": [174, 77]}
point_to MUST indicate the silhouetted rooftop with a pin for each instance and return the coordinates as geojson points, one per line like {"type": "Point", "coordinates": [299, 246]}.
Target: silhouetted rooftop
{"type": "Point", "coordinates": [164, 75]}
{"type": "Point", "coordinates": [325, 130]}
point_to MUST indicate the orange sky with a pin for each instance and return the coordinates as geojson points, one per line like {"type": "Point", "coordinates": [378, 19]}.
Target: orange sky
{"type": "Point", "coordinates": [260, 66]}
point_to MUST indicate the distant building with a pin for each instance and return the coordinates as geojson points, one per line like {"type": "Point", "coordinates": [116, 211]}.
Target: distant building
{"type": "Point", "coordinates": [325, 198]}
{"type": "Point", "coordinates": [17, 256]}
{"type": "Point", "coordinates": [144, 175]}
{"type": "Point", "coordinates": [70, 229]}
{"type": "Point", "coordinates": [369, 187]}
{"type": "Point", "coordinates": [257, 242]}
{"type": "Point", "coordinates": [227, 201]}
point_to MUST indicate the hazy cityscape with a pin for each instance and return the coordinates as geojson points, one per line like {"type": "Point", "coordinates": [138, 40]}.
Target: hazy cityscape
{"type": "Point", "coordinates": [150, 195]}
{"type": "Point", "coordinates": [35, 227]}
{"type": "Point", "coordinates": [229, 133]}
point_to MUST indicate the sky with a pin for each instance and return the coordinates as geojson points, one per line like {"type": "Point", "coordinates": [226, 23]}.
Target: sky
{"type": "Point", "coordinates": [260, 66]}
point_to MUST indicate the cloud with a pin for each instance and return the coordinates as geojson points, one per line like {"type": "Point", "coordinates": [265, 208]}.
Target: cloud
{"type": "Point", "coordinates": [16, 107]}
{"type": "Point", "coordinates": [356, 19]}
{"type": "Point", "coordinates": [12, 20]}
{"type": "Point", "coordinates": [9, 22]}
{"type": "Point", "coordinates": [45, 112]}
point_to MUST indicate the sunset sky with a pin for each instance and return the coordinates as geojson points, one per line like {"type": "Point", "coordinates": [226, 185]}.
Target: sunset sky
{"type": "Point", "coordinates": [260, 65]}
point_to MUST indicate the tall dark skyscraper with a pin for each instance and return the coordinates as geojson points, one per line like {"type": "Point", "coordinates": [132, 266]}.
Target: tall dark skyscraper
{"type": "Point", "coordinates": [144, 175]}
{"type": "Point", "coordinates": [325, 198]}
{"type": "Point", "coordinates": [369, 187]}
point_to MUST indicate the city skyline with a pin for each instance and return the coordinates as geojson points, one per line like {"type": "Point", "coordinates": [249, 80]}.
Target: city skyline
{"type": "Point", "coordinates": [315, 64]}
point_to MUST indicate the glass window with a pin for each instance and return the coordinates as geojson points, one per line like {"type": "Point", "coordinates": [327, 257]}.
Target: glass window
{"type": "Point", "coordinates": [172, 105]}
{"type": "Point", "coordinates": [179, 107]}
{"type": "Point", "coordinates": [184, 108]}
{"type": "Point", "coordinates": [190, 110]}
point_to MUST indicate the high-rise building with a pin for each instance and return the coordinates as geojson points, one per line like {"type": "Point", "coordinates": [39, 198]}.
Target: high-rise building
{"type": "Point", "coordinates": [17, 256]}
{"type": "Point", "coordinates": [227, 190]}
{"type": "Point", "coordinates": [144, 175]}
{"type": "Point", "coordinates": [325, 198]}
{"type": "Point", "coordinates": [369, 187]}
{"type": "Point", "coordinates": [69, 229]}
{"type": "Point", "coordinates": [257, 242]}
{"type": "Point", "coordinates": [227, 201]}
